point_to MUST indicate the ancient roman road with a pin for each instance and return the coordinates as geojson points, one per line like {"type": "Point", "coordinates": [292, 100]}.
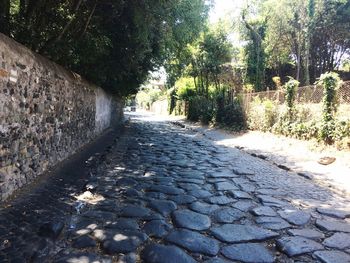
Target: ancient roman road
{"type": "Point", "coordinates": [162, 193]}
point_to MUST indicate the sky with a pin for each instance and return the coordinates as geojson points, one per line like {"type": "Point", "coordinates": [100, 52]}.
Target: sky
{"type": "Point", "coordinates": [227, 9]}
{"type": "Point", "coordinates": [224, 7]}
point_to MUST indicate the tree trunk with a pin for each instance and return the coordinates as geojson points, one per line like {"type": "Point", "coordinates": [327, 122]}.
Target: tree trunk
{"type": "Point", "coordinates": [5, 16]}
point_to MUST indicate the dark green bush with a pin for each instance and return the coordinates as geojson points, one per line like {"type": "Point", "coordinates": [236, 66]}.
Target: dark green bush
{"type": "Point", "coordinates": [200, 109]}
{"type": "Point", "coordinates": [331, 83]}
{"type": "Point", "coordinates": [234, 116]}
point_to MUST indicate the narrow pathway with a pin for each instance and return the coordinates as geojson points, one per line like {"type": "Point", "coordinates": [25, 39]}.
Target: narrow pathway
{"type": "Point", "coordinates": [163, 194]}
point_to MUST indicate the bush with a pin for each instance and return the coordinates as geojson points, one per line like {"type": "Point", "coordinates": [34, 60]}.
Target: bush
{"type": "Point", "coordinates": [185, 89]}
{"type": "Point", "coordinates": [231, 115]}
{"type": "Point", "coordinates": [200, 109]}
{"type": "Point", "coordinates": [291, 89]}
{"type": "Point", "coordinates": [262, 114]}
{"type": "Point", "coordinates": [331, 83]}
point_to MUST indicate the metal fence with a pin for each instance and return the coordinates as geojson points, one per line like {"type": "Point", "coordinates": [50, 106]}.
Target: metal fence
{"type": "Point", "coordinates": [305, 95]}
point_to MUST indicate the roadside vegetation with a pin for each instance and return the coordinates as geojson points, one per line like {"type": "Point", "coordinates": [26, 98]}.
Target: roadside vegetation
{"type": "Point", "coordinates": [281, 46]}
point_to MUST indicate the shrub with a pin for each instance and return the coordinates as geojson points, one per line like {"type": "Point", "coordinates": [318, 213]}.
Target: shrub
{"type": "Point", "coordinates": [185, 89]}
{"type": "Point", "coordinates": [200, 109]}
{"type": "Point", "coordinates": [331, 83]}
{"type": "Point", "coordinates": [291, 89]}
{"type": "Point", "coordinates": [262, 114]}
{"type": "Point", "coordinates": [231, 115]}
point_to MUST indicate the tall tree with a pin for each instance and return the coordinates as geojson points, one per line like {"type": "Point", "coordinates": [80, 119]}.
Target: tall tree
{"type": "Point", "coordinates": [114, 43]}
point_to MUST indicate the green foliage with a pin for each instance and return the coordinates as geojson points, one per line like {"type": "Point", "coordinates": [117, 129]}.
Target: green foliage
{"type": "Point", "coordinates": [230, 114]}
{"type": "Point", "coordinates": [291, 89]}
{"type": "Point", "coordinates": [185, 88]}
{"type": "Point", "coordinates": [331, 83]}
{"type": "Point", "coordinates": [200, 109]}
{"type": "Point", "coordinates": [207, 55]}
{"type": "Point", "coordinates": [146, 97]}
{"type": "Point", "coordinates": [262, 114]}
{"type": "Point", "coordinates": [112, 43]}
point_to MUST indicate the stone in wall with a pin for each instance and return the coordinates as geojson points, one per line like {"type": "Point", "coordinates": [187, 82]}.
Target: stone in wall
{"type": "Point", "coordinates": [46, 114]}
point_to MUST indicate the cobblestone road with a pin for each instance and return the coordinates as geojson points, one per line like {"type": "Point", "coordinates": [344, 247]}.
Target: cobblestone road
{"type": "Point", "coordinates": [162, 193]}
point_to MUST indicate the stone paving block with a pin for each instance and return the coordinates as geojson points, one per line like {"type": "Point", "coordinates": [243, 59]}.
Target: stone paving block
{"type": "Point", "coordinates": [164, 207]}
{"type": "Point", "coordinates": [332, 225]}
{"type": "Point", "coordinates": [332, 256]}
{"type": "Point", "coordinates": [233, 233]}
{"type": "Point", "coordinates": [203, 208]}
{"type": "Point", "coordinates": [307, 233]}
{"type": "Point", "coordinates": [337, 213]}
{"type": "Point", "coordinates": [294, 246]}
{"type": "Point", "coordinates": [338, 241]}
{"type": "Point", "coordinates": [194, 242]}
{"type": "Point", "coordinates": [264, 211]}
{"type": "Point", "coordinates": [134, 211]}
{"type": "Point", "coordinates": [156, 253]}
{"type": "Point", "coordinates": [273, 223]}
{"type": "Point", "coordinates": [295, 217]}
{"type": "Point", "coordinates": [227, 215]}
{"type": "Point", "coordinates": [191, 220]}
{"type": "Point", "coordinates": [220, 200]}
{"type": "Point", "coordinates": [157, 228]}
{"type": "Point", "coordinates": [250, 253]}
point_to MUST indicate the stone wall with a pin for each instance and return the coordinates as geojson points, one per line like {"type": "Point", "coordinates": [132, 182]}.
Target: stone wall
{"type": "Point", "coordinates": [46, 114]}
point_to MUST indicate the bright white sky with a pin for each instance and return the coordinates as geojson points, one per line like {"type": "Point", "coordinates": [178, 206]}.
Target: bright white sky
{"type": "Point", "coordinates": [225, 7]}
{"type": "Point", "coordinates": [230, 9]}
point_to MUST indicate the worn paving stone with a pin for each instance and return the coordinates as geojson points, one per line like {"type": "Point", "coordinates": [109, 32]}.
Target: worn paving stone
{"type": "Point", "coordinates": [240, 194]}
{"type": "Point", "coordinates": [126, 182]}
{"type": "Point", "coordinates": [294, 246]}
{"type": "Point", "coordinates": [200, 193]}
{"type": "Point", "coordinates": [220, 200]}
{"type": "Point", "coordinates": [227, 215]}
{"type": "Point", "coordinates": [337, 213]}
{"type": "Point", "coordinates": [308, 233]}
{"type": "Point", "coordinates": [82, 257]}
{"type": "Point", "coordinates": [122, 241]}
{"type": "Point", "coordinates": [233, 233]}
{"type": "Point", "coordinates": [99, 215]}
{"type": "Point", "coordinates": [250, 253]}
{"type": "Point", "coordinates": [194, 242]}
{"type": "Point", "coordinates": [183, 199]}
{"type": "Point", "coordinates": [295, 217]}
{"type": "Point", "coordinates": [273, 223]}
{"type": "Point", "coordinates": [51, 229]}
{"type": "Point", "coordinates": [244, 206]}
{"type": "Point", "coordinates": [123, 223]}
{"type": "Point", "coordinates": [156, 253]}
{"type": "Point", "coordinates": [190, 186]}
{"type": "Point", "coordinates": [332, 225]}
{"type": "Point", "coordinates": [191, 220]}
{"type": "Point", "coordinates": [223, 186]}
{"type": "Point", "coordinates": [155, 195]}
{"type": "Point", "coordinates": [332, 256]}
{"type": "Point", "coordinates": [203, 208]}
{"type": "Point", "coordinates": [171, 190]}
{"type": "Point", "coordinates": [216, 260]}
{"type": "Point", "coordinates": [134, 211]}
{"type": "Point", "coordinates": [84, 242]}
{"type": "Point", "coordinates": [164, 207]}
{"type": "Point", "coordinates": [271, 201]}
{"type": "Point", "coordinates": [338, 240]}
{"type": "Point", "coordinates": [157, 228]}
{"type": "Point", "coordinates": [222, 174]}
{"type": "Point", "coordinates": [264, 211]}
